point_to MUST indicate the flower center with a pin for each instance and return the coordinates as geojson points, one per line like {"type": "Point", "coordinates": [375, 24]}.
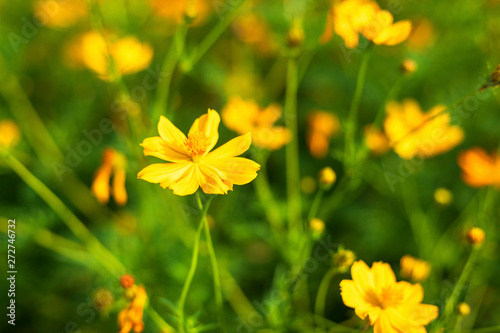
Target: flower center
{"type": "Point", "coordinates": [196, 144]}
{"type": "Point", "coordinates": [391, 296]}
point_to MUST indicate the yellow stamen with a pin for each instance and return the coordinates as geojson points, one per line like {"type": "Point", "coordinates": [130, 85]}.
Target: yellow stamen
{"type": "Point", "coordinates": [196, 145]}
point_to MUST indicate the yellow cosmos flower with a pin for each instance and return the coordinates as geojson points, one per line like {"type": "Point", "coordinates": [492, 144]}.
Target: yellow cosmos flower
{"type": "Point", "coordinates": [391, 306]}
{"type": "Point", "coordinates": [253, 30]}
{"type": "Point", "coordinates": [128, 54]}
{"type": "Point", "coordinates": [321, 127]}
{"type": "Point", "coordinates": [376, 140]}
{"type": "Point", "coordinates": [479, 169]}
{"type": "Point", "coordinates": [414, 133]}
{"type": "Point", "coordinates": [60, 13]}
{"type": "Point", "coordinates": [113, 163]}
{"type": "Point", "coordinates": [193, 164]}
{"type": "Point", "coordinates": [348, 18]}
{"type": "Point", "coordinates": [130, 318]}
{"type": "Point", "coordinates": [243, 116]}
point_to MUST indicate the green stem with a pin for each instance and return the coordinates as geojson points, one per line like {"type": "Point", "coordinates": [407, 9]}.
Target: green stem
{"type": "Point", "coordinates": [219, 302]}
{"type": "Point", "coordinates": [451, 302]}
{"type": "Point", "coordinates": [319, 308]}
{"type": "Point", "coordinates": [170, 63]}
{"type": "Point", "coordinates": [292, 148]}
{"type": "Point", "coordinates": [92, 244]}
{"type": "Point", "coordinates": [352, 119]}
{"type": "Point", "coordinates": [313, 212]}
{"type": "Point", "coordinates": [192, 269]}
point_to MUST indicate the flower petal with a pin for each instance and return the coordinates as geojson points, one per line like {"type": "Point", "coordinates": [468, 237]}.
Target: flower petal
{"type": "Point", "coordinates": [383, 275]}
{"type": "Point", "coordinates": [239, 170]}
{"type": "Point", "coordinates": [234, 147]}
{"type": "Point", "coordinates": [164, 173]}
{"type": "Point", "coordinates": [208, 124]}
{"type": "Point", "coordinates": [189, 182]}
{"type": "Point", "coordinates": [213, 181]}
{"type": "Point", "coordinates": [394, 34]}
{"type": "Point", "coordinates": [156, 147]}
{"type": "Point", "coordinates": [383, 324]}
{"type": "Point", "coordinates": [354, 297]}
{"type": "Point", "coordinates": [172, 136]}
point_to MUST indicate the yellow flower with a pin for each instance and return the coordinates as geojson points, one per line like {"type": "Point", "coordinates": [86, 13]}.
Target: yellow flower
{"type": "Point", "coordinates": [60, 13]}
{"type": "Point", "coordinates": [443, 196]}
{"type": "Point", "coordinates": [327, 177]}
{"type": "Point", "coordinates": [463, 309]}
{"type": "Point", "coordinates": [414, 269]}
{"type": "Point", "coordinates": [177, 11]}
{"type": "Point", "coordinates": [193, 164]}
{"type": "Point", "coordinates": [422, 35]}
{"type": "Point", "coordinates": [243, 116]}
{"type": "Point", "coordinates": [479, 169]}
{"type": "Point", "coordinates": [94, 52]}
{"type": "Point", "coordinates": [130, 318]}
{"type": "Point", "coordinates": [348, 18]}
{"type": "Point", "coordinates": [475, 236]}
{"type": "Point", "coordinates": [414, 133]}
{"type": "Point", "coordinates": [113, 163]}
{"type": "Point", "coordinates": [253, 30]}
{"type": "Point", "coordinates": [321, 127]}
{"type": "Point", "coordinates": [390, 306]}
{"type": "Point", "coordinates": [9, 134]}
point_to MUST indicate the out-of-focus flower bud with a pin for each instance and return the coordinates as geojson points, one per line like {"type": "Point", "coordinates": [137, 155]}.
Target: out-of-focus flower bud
{"type": "Point", "coordinates": [475, 236]}
{"type": "Point", "coordinates": [327, 177]}
{"type": "Point", "coordinates": [408, 66]}
{"type": "Point", "coordinates": [414, 269]}
{"type": "Point", "coordinates": [463, 309]}
{"type": "Point", "coordinates": [343, 259]}
{"type": "Point", "coordinates": [443, 196]}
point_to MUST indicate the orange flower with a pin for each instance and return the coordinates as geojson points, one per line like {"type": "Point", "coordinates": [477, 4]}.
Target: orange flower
{"type": "Point", "coordinates": [252, 29]}
{"type": "Point", "coordinates": [390, 306]}
{"type": "Point", "coordinates": [348, 18]}
{"type": "Point", "coordinates": [480, 169]}
{"type": "Point", "coordinates": [113, 162]}
{"type": "Point", "coordinates": [414, 133]}
{"type": "Point", "coordinates": [130, 318]}
{"type": "Point", "coordinates": [177, 11]}
{"type": "Point", "coordinates": [244, 116]}
{"type": "Point", "coordinates": [193, 164]}
{"type": "Point", "coordinates": [321, 127]}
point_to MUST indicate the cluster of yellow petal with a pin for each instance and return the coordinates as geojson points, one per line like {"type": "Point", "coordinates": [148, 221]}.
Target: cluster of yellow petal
{"type": "Point", "coordinates": [321, 127]}
{"type": "Point", "coordinates": [122, 56]}
{"type": "Point", "coordinates": [177, 11]}
{"type": "Point", "coordinates": [414, 269]}
{"type": "Point", "coordinates": [245, 116]}
{"type": "Point", "coordinates": [480, 169]}
{"type": "Point", "coordinates": [390, 306]}
{"type": "Point", "coordinates": [130, 318]}
{"type": "Point", "coordinates": [9, 134]}
{"type": "Point", "coordinates": [193, 164]}
{"type": "Point", "coordinates": [113, 164]}
{"type": "Point", "coordinates": [60, 13]}
{"type": "Point", "coordinates": [348, 18]}
{"type": "Point", "coordinates": [414, 133]}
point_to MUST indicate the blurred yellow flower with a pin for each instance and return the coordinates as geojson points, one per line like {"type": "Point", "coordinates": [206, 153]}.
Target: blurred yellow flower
{"type": "Point", "coordinates": [327, 177]}
{"type": "Point", "coordinates": [321, 127]}
{"type": "Point", "coordinates": [479, 169]}
{"type": "Point", "coordinates": [113, 163]}
{"type": "Point", "coordinates": [130, 318]}
{"type": "Point", "coordinates": [422, 35]}
{"type": "Point", "coordinates": [414, 133]}
{"type": "Point", "coordinates": [177, 11]}
{"type": "Point", "coordinates": [463, 309]}
{"type": "Point", "coordinates": [60, 13]}
{"type": "Point", "coordinates": [348, 18]}
{"type": "Point", "coordinates": [128, 55]}
{"type": "Point", "coordinates": [389, 305]}
{"type": "Point", "coordinates": [443, 196]}
{"type": "Point", "coordinates": [475, 236]}
{"type": "Point", "coordinates": [376, 140]}
{"type": "Point", "coordinates": [253, 30]}
{"type": "Point", "coordinates": [193, 164]}
{"type": "Point", "coordinates": [9, 133]}
{"type": "Point", "coordinates": [414, 269]}
{"type": "Point", "coordinates": [244, 116]}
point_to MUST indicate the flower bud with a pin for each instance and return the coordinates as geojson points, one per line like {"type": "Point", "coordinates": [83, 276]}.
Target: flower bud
{"type": "Point", "coordinates": [327, 177]}
{"type": "Point", "coordinates": [127, 281]}
{"type": "Point", "coordinates": [102, 299]}
{"type": "Point", "coordinates": [9, 134]}
{"type": "Point", "coordinates": [343, 259]}
{"type": "Point", "coordinates": [408, 66]}
{"type": "Point", "coordinates": [295, 36]}
{"type": "Point", "coordinates": [317, 225]}
{"type": "Point", "coordinates": [443, 196]}
{"type": "Point", "coordinates": [475, 236]}
{"type": "Point", "coordinates": [463, 309]}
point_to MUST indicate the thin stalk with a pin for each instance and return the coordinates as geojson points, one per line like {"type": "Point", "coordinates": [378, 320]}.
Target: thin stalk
{"type": "Point", "coordinates": [92, 244]}
{"type": "Point", "coordinates": [319, 308]}
{"type": "Point", "coordinates": [313, 212]}
{"type": "Point", "coordinates": [219, 302]}
{"type": "Point", "coordinates": [292, 148]}
{"type": "Point", "coordinates": [352, 119]}
{"type": "Point", "coordinates": [192, 269]}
